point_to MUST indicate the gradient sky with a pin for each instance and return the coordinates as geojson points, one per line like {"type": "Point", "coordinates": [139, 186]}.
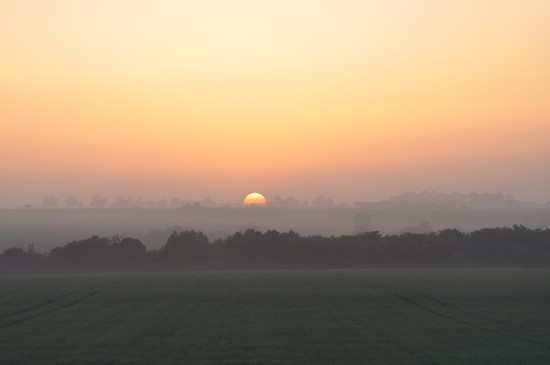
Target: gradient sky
{"type": "Point", "coordinates": [357, 100]}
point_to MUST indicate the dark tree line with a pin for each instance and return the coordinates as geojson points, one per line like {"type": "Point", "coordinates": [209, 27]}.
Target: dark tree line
{"type": "Point", "coordinates": [190, 250]}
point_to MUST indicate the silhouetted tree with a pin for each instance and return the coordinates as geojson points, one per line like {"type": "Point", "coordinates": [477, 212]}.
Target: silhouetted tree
{"type": "Point", "coordinates": [252, 248]}
{"type": "Point", "coordinates": [186, 247]}
{"type": "Point", "coordinates": [14, 261]}
{"type": "Point", "coordinates": [128, 253]}
{"type": "Point", "coordinates": [91, 254]}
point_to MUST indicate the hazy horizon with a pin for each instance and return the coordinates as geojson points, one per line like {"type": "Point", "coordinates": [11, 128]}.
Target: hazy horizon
{"type": "Point", "coordinates": [356, 100]}
{"type": "Point", "coordinates": [458, 199]}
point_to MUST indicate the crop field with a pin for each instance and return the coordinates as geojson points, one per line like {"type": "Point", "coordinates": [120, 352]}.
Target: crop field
{"type": "Point", "coordinates": [492, 316]}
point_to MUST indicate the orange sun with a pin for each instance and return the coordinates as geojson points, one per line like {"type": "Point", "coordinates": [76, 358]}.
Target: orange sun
{"type": "Point", "coordinates": [254, 199]}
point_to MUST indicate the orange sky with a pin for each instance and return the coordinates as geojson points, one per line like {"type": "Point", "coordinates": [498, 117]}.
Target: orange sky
{"type": "Point", "coordinates": [353, 99]}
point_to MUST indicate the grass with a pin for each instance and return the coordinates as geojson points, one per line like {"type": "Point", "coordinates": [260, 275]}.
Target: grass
{"type": "Point", "coordinates": [496, 316]}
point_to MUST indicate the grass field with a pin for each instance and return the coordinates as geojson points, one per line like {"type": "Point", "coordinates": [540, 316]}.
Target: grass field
{"type": "Point", "coordinates": [278, 317]}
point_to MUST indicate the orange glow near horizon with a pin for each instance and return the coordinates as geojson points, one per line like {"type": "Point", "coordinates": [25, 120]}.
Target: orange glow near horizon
{"type": "Point", "coordinates": [301, 98]}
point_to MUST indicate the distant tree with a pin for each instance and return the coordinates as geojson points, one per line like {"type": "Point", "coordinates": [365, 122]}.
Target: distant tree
{"type": "Point", "coordinates": [50, 201]}
{"type": "Point", "coordinates": [177, 202]}
{"type": "Point", "coordinates": [98, 201]}
{"type": "Point", "coordinates": [290, 202]}
{"type": "Point", "coordinates": [140, 202]}
{"type": "Point", "coordinates": [122, 202]}
{"type": "Point", "coordinates": [208, 203]}
{"type": "Point", "coordinates": [322, 201]}
{"type": "Point", "coordinates": [30, 249]}
{"type": "Point", "coordinates": [276, 201]}
{"type": "Point", "coordinates": [73, 202]}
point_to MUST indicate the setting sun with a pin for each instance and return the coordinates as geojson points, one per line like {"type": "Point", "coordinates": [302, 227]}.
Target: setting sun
{"type": "Point", "coordinates": [254, 199]}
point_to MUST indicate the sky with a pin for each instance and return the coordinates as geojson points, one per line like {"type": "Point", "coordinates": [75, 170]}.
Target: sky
{"type": "Point", "coordinates": [357, 100]}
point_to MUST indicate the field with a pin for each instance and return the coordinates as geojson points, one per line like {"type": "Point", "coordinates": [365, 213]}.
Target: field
{"type": "Point", "coordinates": [498, 316]}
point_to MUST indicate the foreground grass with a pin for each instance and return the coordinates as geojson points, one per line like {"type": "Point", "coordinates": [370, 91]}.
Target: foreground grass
{"type": "Point", "coordinates": [332, 317]}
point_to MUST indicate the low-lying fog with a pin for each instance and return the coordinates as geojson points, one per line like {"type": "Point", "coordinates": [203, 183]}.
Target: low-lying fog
{"type": "Point", "coordinates": [47, 228]}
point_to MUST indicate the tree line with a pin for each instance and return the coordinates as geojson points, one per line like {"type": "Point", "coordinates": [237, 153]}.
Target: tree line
{"type": "Point", "coordinates": [515, 246]}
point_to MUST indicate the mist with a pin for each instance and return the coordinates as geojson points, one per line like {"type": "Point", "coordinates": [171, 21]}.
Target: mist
{"type": "Point", "coordinates": [55, 221]}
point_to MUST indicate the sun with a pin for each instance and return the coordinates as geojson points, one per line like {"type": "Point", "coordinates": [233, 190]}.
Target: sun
{"type": "Point", "coordinates": [254, 199]}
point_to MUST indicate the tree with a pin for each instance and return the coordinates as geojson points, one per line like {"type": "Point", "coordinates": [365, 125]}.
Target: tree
{"type": "Point", "coordinates": [322, 201]}
{"type": "Point", "coordinates": [186, 246]}
{"type": "Point", "coordinates": [90, 254]}
{"type": "Point", "coordinates": [98, 201]}
{"type": "Point", "coordinates": [127, 253]}
{"type": "Point", "coordinates": [73, 202]}
{"type": "Point", "coordinates": [50, 201]}
{"type": "Point", "coordinates": [14, 261]}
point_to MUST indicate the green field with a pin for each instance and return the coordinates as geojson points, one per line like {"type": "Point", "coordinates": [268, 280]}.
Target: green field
{"type": "Point", "coordinates": [278, 317]}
